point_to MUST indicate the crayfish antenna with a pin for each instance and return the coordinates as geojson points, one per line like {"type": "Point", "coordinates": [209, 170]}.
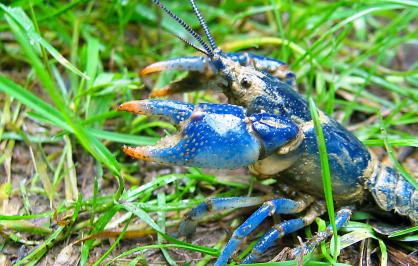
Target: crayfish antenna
{"type": "Point", "coordinates": [189, 29]}
{"type": "Point", "coordinates": [204, 25]}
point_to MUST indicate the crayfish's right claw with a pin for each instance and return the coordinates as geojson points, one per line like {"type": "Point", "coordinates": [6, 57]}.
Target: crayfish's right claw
{"type": "Point", "coordinates": [212, 135]}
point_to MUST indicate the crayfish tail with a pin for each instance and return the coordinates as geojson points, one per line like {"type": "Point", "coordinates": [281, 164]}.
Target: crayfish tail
{"type": "Point", "coordinates": [392, 191]}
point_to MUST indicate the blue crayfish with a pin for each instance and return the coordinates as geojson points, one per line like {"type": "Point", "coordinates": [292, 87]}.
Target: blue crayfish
{"type": "Point", "coordinates": [268, 127]}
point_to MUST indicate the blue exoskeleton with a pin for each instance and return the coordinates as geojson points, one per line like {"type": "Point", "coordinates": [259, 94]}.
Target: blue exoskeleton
{"type": "Point", "coordinates": [268, 127]}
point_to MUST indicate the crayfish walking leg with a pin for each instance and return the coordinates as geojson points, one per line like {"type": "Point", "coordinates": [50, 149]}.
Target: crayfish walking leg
{"type": "Point", "coordinates": [188, 225]}
{"type": "Point", "coordinates": [275, 206]}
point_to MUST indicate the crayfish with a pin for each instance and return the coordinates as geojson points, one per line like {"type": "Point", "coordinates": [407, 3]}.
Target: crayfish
{"type": "Point", "coordinates": [268, 127]}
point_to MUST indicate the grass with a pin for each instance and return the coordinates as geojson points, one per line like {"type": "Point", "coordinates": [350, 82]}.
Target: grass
{"type": "Point", "coordinates": [326, 174]}
{"type": "Point", "coordinates": [66, 66]}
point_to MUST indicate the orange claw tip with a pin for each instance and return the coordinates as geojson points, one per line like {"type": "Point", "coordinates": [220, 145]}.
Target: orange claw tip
{"type": "Point", "coordinates": [137, 153]}
{"type": "Point", "coordinates": [161, 92]}
{"type": "Point", "coordinates": [156, 67]}
{"type": "Point", "coordinates": [135, 107]}
{"type": "Point", "coordinates": [284, 68]}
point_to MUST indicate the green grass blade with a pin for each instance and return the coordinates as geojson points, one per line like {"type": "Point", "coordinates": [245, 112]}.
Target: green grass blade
{"type": "Point", "coordinates": [100, 224]}
{"type": "Point", "coordinates": [123, 138]}
{"type": "Point", "coordinates": [34, 256]}
{"type": "Point", "coordinates": [23, 20]}
{"type": "Point", "coordinates": [161, 199]}
{"type": "Point", "coordinates": [90, 143]}
{"type": "Point", "coordinates": [55, 117]}
{"type": "Point", "coordinates": [112, 247]}
{"type": "Point", "coordinates": [365, 11]}
{"type": "Point", "coordinates": [41, 168]}
{"type": "Point", "coordinates": [412, 142]}
{"type": "Point", "coordinates": [33, 102]}
{"type": "Point", "coordinates": [326, 175]}
{"type": "Point", "coordinates": [404, 232]}
{"type": "Point", "coordinates": [394, 160]}
{"type": "Point", "coordinates": [144, 216]}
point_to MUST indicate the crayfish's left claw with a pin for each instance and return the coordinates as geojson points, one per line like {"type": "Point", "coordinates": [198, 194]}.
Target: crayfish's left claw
{"type": "Point", "coordinates": [212, 135]}
{"type": "Point", "coordinates": [192, 82]}
{"type": "Point", "coordinates": [201, 71]}
{"type": "Point", "coordinates": [187, 63]}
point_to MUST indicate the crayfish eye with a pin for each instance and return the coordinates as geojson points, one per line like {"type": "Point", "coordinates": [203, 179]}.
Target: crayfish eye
{"type": "Point", "coordinates": [245, 82]}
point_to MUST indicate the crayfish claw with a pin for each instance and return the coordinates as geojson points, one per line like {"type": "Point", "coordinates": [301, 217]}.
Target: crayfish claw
{"type": "Point", "coordinates": [139, 153]}
{"type": "Point", "coordinates": [185, 63]}
{"type": "Point", "coordinates": [200, 73]}
{"type": "Point", "coordinates": [153, 68]}
{"type": "Point", "coordinates": [166, 91]}
{"type": "Point", "coordinates": [177, 111]}
{"type": "Point", "coordinates": [211, 135]}
{"type": "Point", "coordinates": [192, 82]}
